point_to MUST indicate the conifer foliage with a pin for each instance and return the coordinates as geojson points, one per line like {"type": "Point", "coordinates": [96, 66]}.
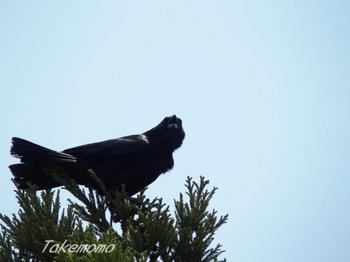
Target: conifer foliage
{"type": "Point", "coordinates": [111, 226]}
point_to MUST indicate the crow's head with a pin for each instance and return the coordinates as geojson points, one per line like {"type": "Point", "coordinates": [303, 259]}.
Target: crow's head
{"type": "Point", "coordinates": [169, 134]}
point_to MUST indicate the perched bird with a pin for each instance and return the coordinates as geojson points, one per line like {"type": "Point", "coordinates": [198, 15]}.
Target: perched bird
{"type": "Point", "coordinates": [135, 161]}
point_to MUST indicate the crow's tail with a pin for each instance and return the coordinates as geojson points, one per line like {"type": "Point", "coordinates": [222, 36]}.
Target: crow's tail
{"type": "Point", "coordinates": [29, 152]}
{"type": "Point", "coordinates": [35, 160]}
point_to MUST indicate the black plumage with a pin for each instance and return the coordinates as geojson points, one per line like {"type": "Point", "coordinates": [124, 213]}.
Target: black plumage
{"type": "Point", "coordinates": [135, 161]}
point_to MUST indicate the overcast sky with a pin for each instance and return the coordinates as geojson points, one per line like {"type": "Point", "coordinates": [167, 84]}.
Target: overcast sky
{"type": "Point", "coordinates": [262, 87]}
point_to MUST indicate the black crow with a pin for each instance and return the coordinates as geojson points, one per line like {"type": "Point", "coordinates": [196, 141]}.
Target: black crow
{"type": "Point", "coordinates": [135, 161]}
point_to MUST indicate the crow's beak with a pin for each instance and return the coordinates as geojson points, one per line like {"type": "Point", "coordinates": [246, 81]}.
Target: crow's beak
{"type": "Point", "coordinates": [173, 122]}
{"type": "Point", "coordinates": [173, 125]}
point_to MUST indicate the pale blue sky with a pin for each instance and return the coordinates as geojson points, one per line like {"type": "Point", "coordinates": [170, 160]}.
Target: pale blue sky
{"type": "Point", "coordinates": [263, 88]}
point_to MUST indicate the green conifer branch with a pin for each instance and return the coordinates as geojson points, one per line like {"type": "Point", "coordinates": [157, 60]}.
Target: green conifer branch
{"type": "Point", "coordinates": [148, 230]}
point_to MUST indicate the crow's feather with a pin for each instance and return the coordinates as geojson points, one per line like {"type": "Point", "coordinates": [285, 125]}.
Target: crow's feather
{"type": "Point", "coordinates": [135, 161]}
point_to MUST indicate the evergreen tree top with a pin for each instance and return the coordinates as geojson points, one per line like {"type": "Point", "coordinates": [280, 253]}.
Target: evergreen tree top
{"type": "Point", "coordinates": [134, 229]}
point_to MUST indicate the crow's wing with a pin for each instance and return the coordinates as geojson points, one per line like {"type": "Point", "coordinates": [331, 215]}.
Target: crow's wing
{"type": "Point", "coordinates": [111, 148]}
